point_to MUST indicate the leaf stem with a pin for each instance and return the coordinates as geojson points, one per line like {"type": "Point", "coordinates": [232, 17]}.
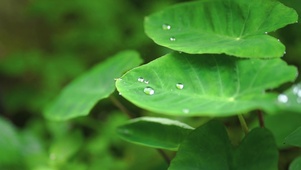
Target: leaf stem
{"type": "Point", "coordinates": [260, 118]}
{"type": "Point", "coordinates": [243, 123]}
{"type": "Point", "coordinates": [121, 107]}
{"type": "Point", "coordinates": [164, 155]}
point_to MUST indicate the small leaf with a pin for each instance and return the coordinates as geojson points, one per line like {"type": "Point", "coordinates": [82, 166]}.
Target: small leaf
{"type": "Point", "coordinates": [79, 97]}
{"type": "Point", "coordinates": [296, 164]}
{"type": "Point", "coordinates": [233, 27]}
{"type": "Point", "coordinates": [155, 132]}
{"type": "Point", "coordinates": [294, 138]}
{"type": "Point", "coordinates": [205, 85]}
{"type": "Point", "coordinates": [208, 147]}
{"type": "Point", "coordinates": [290, 100]}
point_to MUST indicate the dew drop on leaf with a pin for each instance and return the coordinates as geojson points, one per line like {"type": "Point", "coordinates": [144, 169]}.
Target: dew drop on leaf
{"type": "Point", "coordinates": [180, 86]}
{"type": "Point", "coordinates": [172, 39]}
{"type": "Point", "coordinates": [141, 79]}
{"type": "Point", "coordinates": [282, 98]}
{"type": "Point", "coordinates": [149, 91]}
{"type": "Point", "coordinates": [166, 27]}
{"type": "Point", "coordinates": [146, 81]}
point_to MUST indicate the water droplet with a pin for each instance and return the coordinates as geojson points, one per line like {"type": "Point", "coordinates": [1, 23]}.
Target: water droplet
{"type": "Point", "coordinates": [186, 111]}
{"type": "Point", "coordinates": [282, 98]}
{"type": "Point", "coordinates": [146, 81]}
{"type": "Point", "coordinates": [299, 93]}
{"type": "Point", "coordinates": [284, 52]}
{"type": "Point", "coordinates": [172, 39]}
{"type": "Point", "coordinates": [297, 90]}
{"type": "Point", "coordinates": [120, 93]}
{"type": "Point", "coordinates": [149, 91]}
{"type": "Point", "coordinates": [278, 40]}
{"type": "Point", "coordinates": [166, 27]}
{"type": "Point", "coordinates": [180, 86]}
{"type": "Point", "coordinates": [266, 32]}
{"type": "Point", "coordinates": [141, 79]}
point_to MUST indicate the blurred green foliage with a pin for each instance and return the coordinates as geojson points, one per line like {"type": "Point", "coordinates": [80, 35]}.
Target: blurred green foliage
{"type": "Point", "coordinates": [44, 44]}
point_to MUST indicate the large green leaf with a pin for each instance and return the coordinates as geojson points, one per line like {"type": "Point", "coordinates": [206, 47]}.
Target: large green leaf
{"type": "Point", "coordinates": [208, 147]}
{"type": "Point", "coordinates": [79, 97]}
{"type": "Point", "coordinates": [234, 27]}
{"type": "Point", "coordinates": [155, 132]}
{"type": "Point", "coordinates": [205, 85]}
{"type": "Point", "coordinates": [294, 138]}
{"type": "Point", "coordinates": [290, 100]}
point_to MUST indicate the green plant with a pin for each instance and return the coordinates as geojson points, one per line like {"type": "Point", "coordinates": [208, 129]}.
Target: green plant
{"type": "Point", "coordinates": [224, 64]}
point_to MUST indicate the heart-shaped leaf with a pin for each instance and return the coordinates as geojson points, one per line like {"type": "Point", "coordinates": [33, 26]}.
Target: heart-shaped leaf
{"type": "Point", "coordinates": [233, 27]}
{"type": "Point", "coordinates": [155, 132]}
{"type": "Point", "coordinates": [79, 97]}
{"type": "Point", "coordinates": [208, 147]}
{"type": "Point", "coordinates": [204, 85]}
{"type": "Point", "coordinates": [290, 100]}
{"type": "Point", "coordinates": [294, 138]}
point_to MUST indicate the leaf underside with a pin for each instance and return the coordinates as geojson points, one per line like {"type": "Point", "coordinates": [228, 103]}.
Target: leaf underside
{"type": "Point", "coordinates": [212, 85]}
{"type": "Point", "coordinates": [233, 27]}
{"type": "Point", "coordinates": [155, 132]}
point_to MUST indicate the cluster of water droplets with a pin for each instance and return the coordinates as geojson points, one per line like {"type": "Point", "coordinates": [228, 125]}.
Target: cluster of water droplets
{"type": "Point", "coordinates": [148, 90]}
{"type": "Point", "coordinates": [282, 98]}
{"type": "Point", "coordinates": [167, 27]}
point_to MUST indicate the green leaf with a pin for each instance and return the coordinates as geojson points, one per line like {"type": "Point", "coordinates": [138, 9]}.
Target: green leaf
{"type": "Point", "coordinates": [289, 122]}
{"type": "Point", "coordinates": [296, 164]}
{"type": "Point", "coordinates": [233, 27]}
{"type": "Point", "coordinates": [155, 132]}
{"type": "Point", "coordinates": [290, 100]}
{"type": "Point", "coordinates": [208, 147]}
{"type": "Point", "coordinates": [211, 85]}
{"type": "Point", "coordinates": [294, 138]}
{"type": "Point", "coordinates": [10, 146]}
{"type": "Point", "coordinates": [79, 97]}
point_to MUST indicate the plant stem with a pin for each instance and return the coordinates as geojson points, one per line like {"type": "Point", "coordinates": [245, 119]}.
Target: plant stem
{"type": "Point", "coordinates": [164, 155]}
{"type": "Point", "coordinates": [120, 106]}
{"type": "Point", "coordinates": [260, 118]}
{"type": "Point", "coordinates": [128, 113]}
{"type": "Point", "coordinates": [243, 124]}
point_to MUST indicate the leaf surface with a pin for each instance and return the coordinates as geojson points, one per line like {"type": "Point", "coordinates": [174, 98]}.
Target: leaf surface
{"type": "Point", "coordinates": [204, 85]}
{"type": "Point", "coordinates": [233, 27]}
{"type": "Point", "coordinates": [208, 147]}
{"type": "Point", "coordinates": [155, 132]}
{"type": "Point", "coordinates": [79, 97]}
